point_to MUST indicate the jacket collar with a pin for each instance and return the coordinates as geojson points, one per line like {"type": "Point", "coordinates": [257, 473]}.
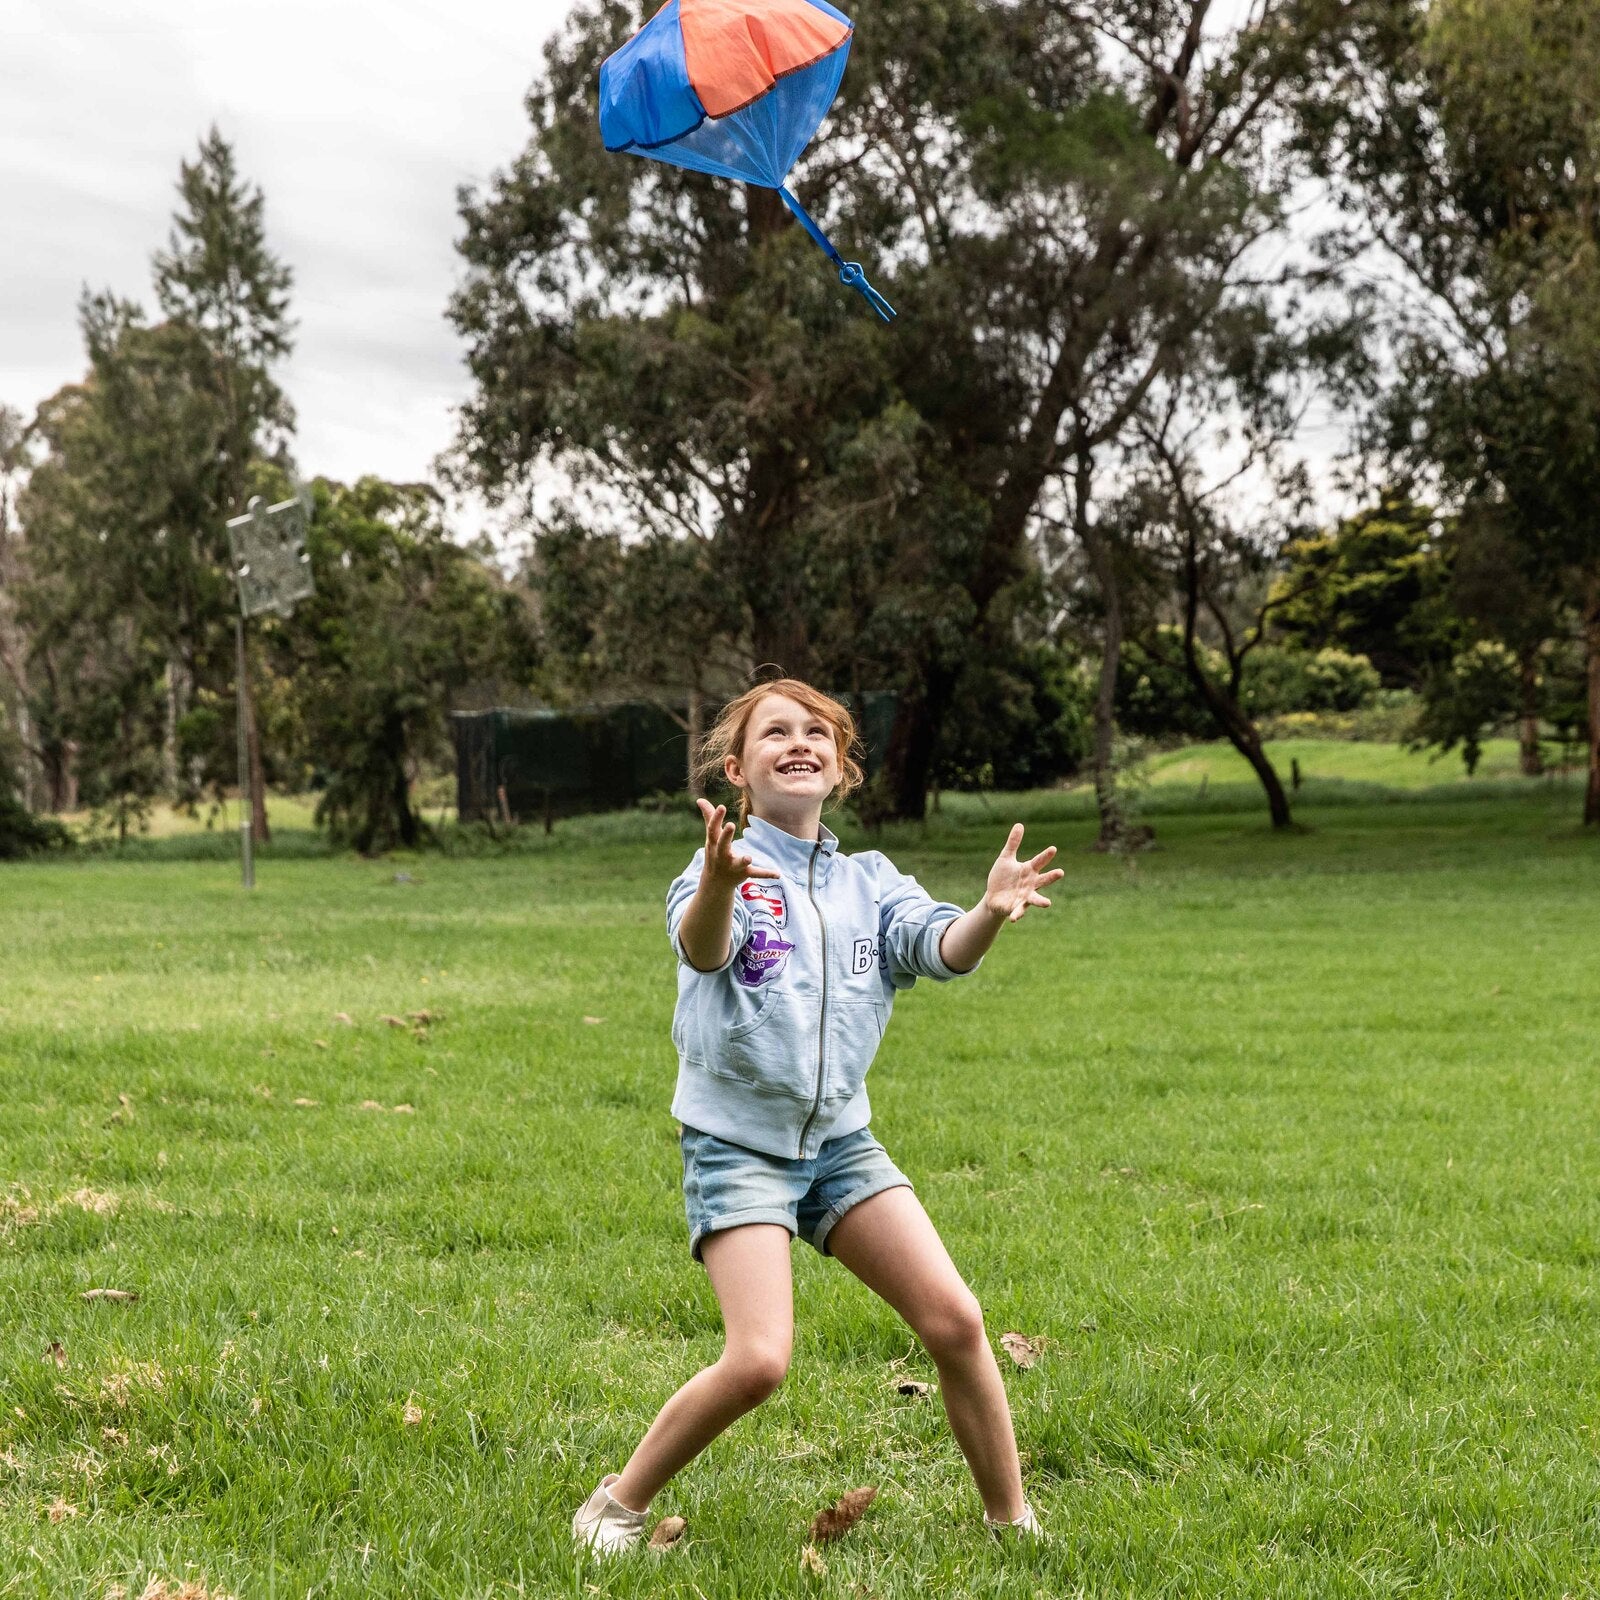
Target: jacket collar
{"type": "Point", "coordinates": [785, 849]}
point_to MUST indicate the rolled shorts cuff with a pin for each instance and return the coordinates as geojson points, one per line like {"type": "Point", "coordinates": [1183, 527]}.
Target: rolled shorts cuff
{"type": "Point", "coordinates": [738, 1219]}
{"type": "Point", "coordinates": [819, 1239]}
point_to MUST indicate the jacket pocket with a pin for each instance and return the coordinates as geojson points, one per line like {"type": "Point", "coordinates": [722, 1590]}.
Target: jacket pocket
{"type": "Point", "coordinates": [855, 1025]}
{"type": "Point", "coordinates": [775, 1049]}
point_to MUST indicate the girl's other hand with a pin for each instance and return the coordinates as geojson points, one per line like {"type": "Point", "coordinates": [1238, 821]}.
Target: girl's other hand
{"type": "Point", "coordinates": [723, 865]}
{"type": "Point", "coordinates": [1014, 885]}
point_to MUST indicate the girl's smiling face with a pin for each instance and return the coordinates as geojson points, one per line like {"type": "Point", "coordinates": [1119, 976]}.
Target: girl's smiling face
{"type": "Point", "coordinates": [790, 761]}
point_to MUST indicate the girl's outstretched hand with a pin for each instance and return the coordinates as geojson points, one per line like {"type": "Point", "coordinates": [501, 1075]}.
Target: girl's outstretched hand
{"type": "Point", "coordinates": [1014, 885]}
{"type": "Point", "coordinates": [722, 864]}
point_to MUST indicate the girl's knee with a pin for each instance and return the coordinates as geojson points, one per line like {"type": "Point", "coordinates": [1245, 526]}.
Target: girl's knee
{"type": "Point", "coordinates": [953, 1329]}
{"type": "Point", "coordinates": [754, 1371]}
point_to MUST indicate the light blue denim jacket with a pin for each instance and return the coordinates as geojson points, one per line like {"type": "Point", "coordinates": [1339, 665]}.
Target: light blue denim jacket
{"type": "Point", "coordinates": [774, 1044]}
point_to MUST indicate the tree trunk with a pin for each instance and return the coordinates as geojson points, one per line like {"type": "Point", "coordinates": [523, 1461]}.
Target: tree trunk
{"type": "Point", "coordinates": [696, 734]}
{"type": "Point", "coordinates": [908, 761]}
{"type": "Point", "coordinates": [1243, 735]}
{"type": "Point", "coordinates": [1112, 821]}
{"type": "Point", "coordinates": [1222, 703]}
{"type": "Point", "coordinates": [169, 731]}
{"type": "Point", "coordinates": [60, 759]}
{"type": "Point", "coordinates": [1531, 756]}
{"type": "Point", "coordinates": [32, 770]}
{"type": "Point", "coordinates": [1591, 633]}
{"type": "Point", "coordinates": [410, 833]}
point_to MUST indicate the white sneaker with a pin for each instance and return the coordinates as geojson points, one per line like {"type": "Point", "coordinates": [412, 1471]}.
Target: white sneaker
{"type": "Point", "coordinates": [1027, 1523]}
{"type": "Point", "coordinates": [606, 1525]}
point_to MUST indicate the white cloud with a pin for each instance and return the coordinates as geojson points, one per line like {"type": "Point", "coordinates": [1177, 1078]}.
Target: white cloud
{"type": "Point", "coordinates": [359, 120]}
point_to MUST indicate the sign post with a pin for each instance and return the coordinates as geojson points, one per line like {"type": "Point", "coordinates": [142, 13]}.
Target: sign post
{"type": "Point", "coordinates": [272, 569]}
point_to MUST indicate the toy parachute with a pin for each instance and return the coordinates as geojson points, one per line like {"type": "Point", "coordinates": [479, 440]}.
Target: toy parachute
{"type": "Point", "coordinates": [735, 88]}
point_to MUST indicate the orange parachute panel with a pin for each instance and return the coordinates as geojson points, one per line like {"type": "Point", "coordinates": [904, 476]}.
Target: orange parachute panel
{"type": "Point", "coordinates": [735, 52]}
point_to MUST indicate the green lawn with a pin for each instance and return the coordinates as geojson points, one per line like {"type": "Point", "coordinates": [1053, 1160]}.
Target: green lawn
{"type": "Point", "coordinates": [1288, 1145]}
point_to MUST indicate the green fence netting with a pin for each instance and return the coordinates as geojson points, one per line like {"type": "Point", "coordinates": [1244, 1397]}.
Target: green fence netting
{"type": "Point", "coordinates": [558, 763]}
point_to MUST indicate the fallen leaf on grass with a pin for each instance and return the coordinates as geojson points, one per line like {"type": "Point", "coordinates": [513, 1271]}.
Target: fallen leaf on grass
{"type": "Point", "coordinates": [56, 1354]}
{"type": "Point", "coordinates": [370, 1105]}
{"type": "Point", "coordinates": [15, 1212]}
{"type": "Point", "coordinates": [405, 1111]}
{"type": "Point", "coordinates": [321, 1044]}
{"type": "Point", "coordinates": [668, 1531]}
{"type": "Point", "coordinates": [594, 1021]}
{"type": "Point", "coordinates": [412, 1414]}
{"type": "Point", "coordinates": [811, 1561]}
{"type": "Point", "coordinates": [394, 1022]}
{"type": "Point", "coordinates": [302, 1101]}
{"type": "Point", "coordinates": [841, 1516]}
{"type": "Point", "coordinates": [160, 1589]}
{"type": "Point", "coordinates": [1023, 1350]}
{"type": "Point", "coordinates": [914, 1387]}
{"type": "Point", "coordinates": [121, 1295]}
{"type": "Point", "coordinates": [344, 1019]}
{"type": "Point", "coordinates": [59, 1510]}
{"type": "Point", "coordinates": [424, 1019]}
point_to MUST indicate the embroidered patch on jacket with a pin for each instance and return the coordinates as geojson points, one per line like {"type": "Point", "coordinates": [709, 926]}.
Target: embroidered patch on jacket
{"type": "Point", "coordinates": [761, 894]}
{"type": "Point", "coordinates": [761, 958]}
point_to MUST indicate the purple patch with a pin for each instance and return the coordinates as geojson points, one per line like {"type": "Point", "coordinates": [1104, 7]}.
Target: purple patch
{"type": "Point", "coordinates": [761, 958]}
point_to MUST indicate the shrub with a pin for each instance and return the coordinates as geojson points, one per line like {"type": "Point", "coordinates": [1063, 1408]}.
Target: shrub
{"type": "Point", "coordinates": [23, 834]}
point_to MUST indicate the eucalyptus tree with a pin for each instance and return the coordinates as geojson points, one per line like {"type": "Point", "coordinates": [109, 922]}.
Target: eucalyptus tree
{"type": "Point", "coordinates": [403, 619]}
{"type": "Point", "coordinates": [1468, 146]}
{"type": "Point", "coordinates": [1063, 195]}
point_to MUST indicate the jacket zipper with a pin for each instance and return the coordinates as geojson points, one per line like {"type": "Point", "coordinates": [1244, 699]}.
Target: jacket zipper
{"type": "Point", "coordinates": [822, 1016]}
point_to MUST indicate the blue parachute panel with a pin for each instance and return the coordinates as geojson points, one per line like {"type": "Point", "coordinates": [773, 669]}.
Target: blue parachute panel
{"type": "Point", "coordinates": [760, 143]}
{"type": "Point", "coordinates": [646, 98]}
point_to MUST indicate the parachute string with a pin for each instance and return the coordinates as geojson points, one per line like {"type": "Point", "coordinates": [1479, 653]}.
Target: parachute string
{"type": "Point", "coordinates": [851, 274]}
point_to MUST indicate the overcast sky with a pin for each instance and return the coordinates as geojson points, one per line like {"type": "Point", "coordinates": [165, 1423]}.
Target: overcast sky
{"type": "Point", "coordinates": [357, 119]}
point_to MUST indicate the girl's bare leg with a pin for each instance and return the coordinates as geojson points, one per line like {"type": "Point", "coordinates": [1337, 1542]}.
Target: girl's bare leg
{"type": "Point", "coordinates": [890, 1244]}
{"type": "Point", "coordinates": [749, 1271]}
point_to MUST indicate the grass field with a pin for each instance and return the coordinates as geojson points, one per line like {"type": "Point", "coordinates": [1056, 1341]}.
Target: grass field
{"type": "Point", "coordinates": [1288, 1147]}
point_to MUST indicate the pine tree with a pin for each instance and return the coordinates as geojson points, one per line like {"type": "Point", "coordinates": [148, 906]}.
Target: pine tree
{"type": "Point", "coordinates": [218, 279]}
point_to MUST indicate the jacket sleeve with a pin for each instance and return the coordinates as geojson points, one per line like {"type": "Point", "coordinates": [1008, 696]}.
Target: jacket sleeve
{"type": "Point", "coordinates": [911, 923]}
{"type": "Point", "coordinates": [678, 897]}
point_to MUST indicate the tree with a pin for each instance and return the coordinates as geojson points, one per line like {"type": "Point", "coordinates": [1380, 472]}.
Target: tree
{"type": "Point", "coordinates": [1467, 143]}
{"type": "Point", "coordinates": [218, 280]}
{"type": "Point", "coordinates": [1372, 585]}
{"type": "Point", "coordinates": [1138, 181]}
{"type": "Point", "coordinates": [656, 619]}
{"type": "Point", "coordinates": [138, 468]}
{"type": "Point", "coordinates": [1067, 194]}
{"type": "Point", "coordinates": [1467, 699]}
{"type": "Point", "coordinates": [403, 619]}
{"type": "Point", "coordinates": [17, 753]}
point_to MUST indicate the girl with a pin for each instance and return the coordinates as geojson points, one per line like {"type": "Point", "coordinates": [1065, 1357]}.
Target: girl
{"type": "Point", "coordinates": [789, 956]}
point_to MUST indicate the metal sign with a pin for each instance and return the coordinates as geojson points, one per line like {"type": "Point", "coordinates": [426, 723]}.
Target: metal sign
{"type": "Point", "coordinates": [272, 569]}
{"type": "Point", "coordinates": [271, 564]}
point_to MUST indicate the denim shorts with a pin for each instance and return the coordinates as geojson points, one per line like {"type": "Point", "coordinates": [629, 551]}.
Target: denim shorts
{"type": "Point", "coordinates": [726, 1185]}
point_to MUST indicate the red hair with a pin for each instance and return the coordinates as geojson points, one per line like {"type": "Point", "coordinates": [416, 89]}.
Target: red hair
{"type": "Point", "coordinates": [727, 736]}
